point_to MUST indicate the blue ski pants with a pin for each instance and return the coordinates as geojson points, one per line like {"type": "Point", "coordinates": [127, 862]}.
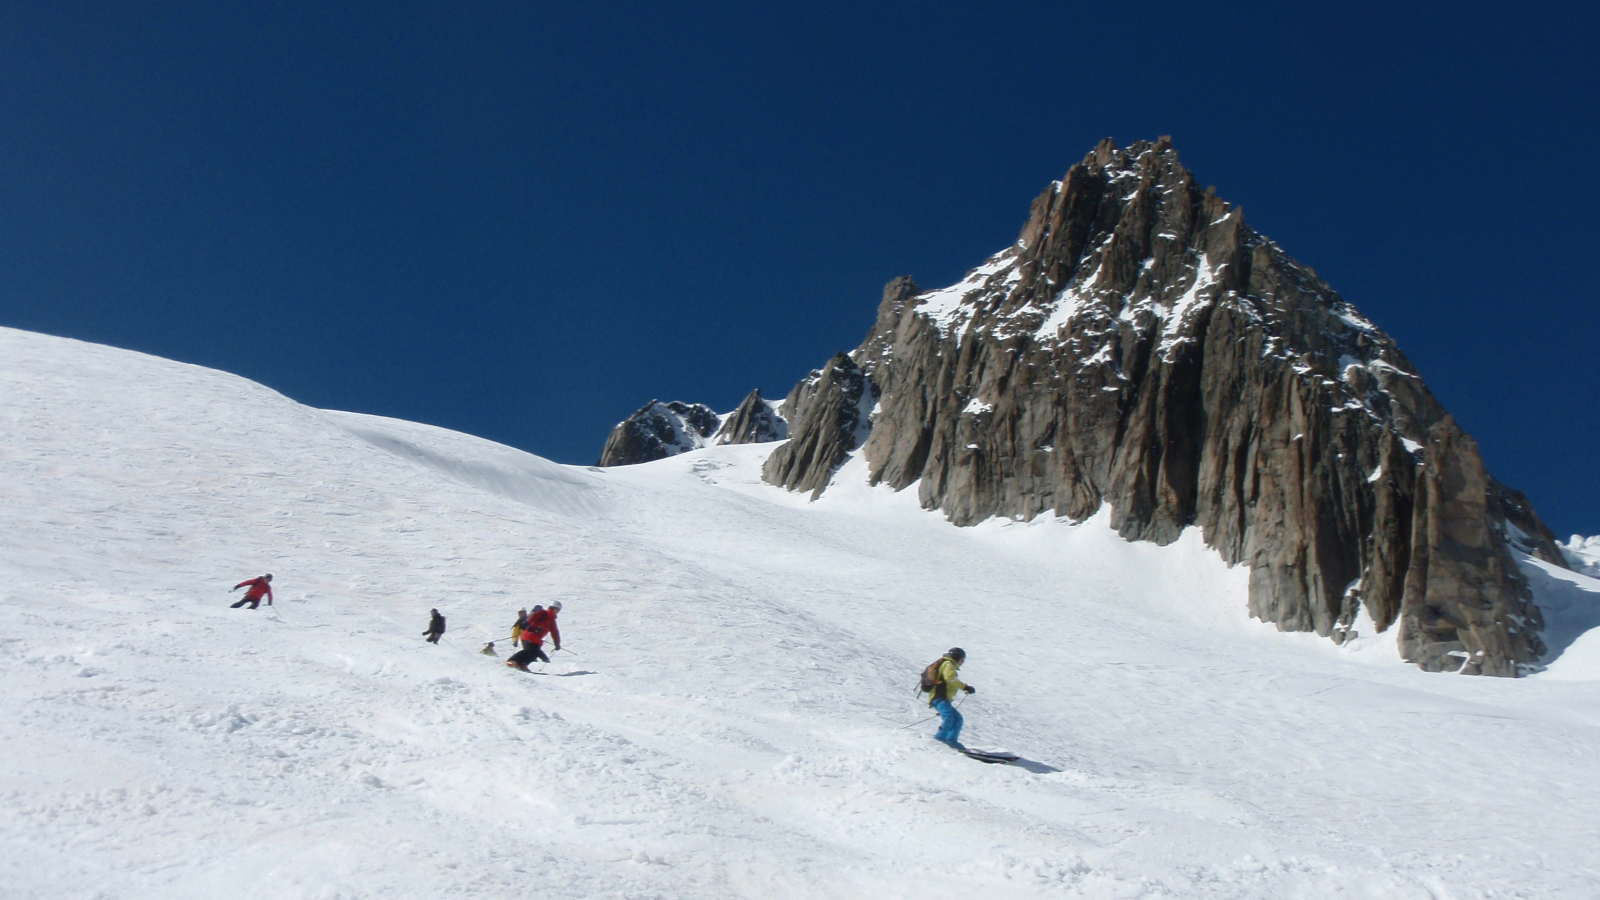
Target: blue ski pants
{"type": "Point", "coordinates": [950, 731]}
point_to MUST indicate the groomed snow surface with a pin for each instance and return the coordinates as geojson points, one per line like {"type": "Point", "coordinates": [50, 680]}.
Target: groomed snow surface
{"type": "Point", "coordinates": [732, 719]}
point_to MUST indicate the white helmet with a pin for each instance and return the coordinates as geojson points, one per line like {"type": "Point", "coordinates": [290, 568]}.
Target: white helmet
{"type": "Point", "coordinates": [555, 604]}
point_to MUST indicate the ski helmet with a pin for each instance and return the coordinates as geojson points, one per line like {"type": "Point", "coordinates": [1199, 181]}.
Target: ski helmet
{"type": "Point", "coordinates": [956, 653]}
{"type": "Point", "coordinates": [556, 605]}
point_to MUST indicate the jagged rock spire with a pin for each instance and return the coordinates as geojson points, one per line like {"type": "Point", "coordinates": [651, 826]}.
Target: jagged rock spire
{"type": "Point", "coordinates": [828, 412]}
{"type": "Point", "coordinates": [754, 422]}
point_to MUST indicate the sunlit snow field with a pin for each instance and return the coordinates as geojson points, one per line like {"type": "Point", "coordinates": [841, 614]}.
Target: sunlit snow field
{"type": "Point", "coordinates": [731, 721]}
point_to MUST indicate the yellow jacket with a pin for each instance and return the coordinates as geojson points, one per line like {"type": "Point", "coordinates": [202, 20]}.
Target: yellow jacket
{"type": "Point", "coordinates": [952, 685]}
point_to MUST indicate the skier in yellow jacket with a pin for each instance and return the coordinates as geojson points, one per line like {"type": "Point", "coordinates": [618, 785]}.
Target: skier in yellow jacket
{"type": "Point", "coordinates": [946, 686]}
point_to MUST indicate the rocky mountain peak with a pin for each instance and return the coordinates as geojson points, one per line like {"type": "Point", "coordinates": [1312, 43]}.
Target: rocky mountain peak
{"type": "Point", "coordinates": [1140, 345]}
{"type": "Point", "coordinates": [755, 422]}
{"type": "Point", "coordinates": [658, 430]}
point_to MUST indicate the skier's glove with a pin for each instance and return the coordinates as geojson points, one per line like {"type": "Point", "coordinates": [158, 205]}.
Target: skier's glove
{"type": "Point", "coordinates": [970, 689]}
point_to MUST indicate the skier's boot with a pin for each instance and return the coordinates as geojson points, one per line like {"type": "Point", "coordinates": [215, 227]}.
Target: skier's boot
{"type": "Point", "coordinates": [516, 665]}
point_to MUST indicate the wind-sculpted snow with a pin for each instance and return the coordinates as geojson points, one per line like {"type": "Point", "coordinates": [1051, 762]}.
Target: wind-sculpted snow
{"type": "Point", "coordinates": [730, 722]}
{"type": "Point", "coordinates": [1583, 554]}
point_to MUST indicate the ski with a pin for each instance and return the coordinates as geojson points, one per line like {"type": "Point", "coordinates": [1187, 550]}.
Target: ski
{"type": "Point", "coordinates": [986, 756]}
{"type": "Point", "coordinates": [529, 671]}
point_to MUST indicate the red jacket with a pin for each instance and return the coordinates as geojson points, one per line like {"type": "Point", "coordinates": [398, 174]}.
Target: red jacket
{"type": "Point", "coordinates": [258, 587]}
{"type": "Point", "coordinates": [540, 624]}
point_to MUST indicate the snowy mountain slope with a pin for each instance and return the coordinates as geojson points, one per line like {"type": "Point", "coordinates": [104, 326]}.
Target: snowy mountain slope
{"type": "Point", "coordinates": [731, 723]}
{"type": "Point", "coordinates": [495, 468]}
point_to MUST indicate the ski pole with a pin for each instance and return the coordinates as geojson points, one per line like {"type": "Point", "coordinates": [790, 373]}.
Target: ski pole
{"type": "Point", "coordinates": [564, 650]}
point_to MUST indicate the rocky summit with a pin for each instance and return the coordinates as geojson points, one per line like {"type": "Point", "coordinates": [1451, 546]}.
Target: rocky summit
{"type": "Point", "coordinates": [659, 430]}
{"type": "Point", "coordinates": [754, 422]}
{"type": "Point", "coordinates": [1140, 345]}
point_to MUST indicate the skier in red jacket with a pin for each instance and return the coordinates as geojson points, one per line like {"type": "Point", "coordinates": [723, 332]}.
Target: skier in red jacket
{"type": "Point", "coordinates": [540, 623]}
{"type": "Point", "coordinates": [259, 587]}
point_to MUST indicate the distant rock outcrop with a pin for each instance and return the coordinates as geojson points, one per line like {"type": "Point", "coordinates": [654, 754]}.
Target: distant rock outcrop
{"type": "Point", "coordinates": [659, 430]}
{"type": "Point", "coordinates": [754, 422]}
{"type": "Point", "coordinates": [1139, 345]}
{"type": "Point", "coordinates": [828, 412]}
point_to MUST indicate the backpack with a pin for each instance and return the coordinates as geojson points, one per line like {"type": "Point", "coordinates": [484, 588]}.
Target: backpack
{"type": "Point", "coordinates": [931, 682]}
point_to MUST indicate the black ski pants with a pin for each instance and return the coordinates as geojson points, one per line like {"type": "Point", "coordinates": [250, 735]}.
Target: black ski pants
{"type": "Point", "coordinates": [253, 601]}
{"type": "Point", "coordinates": [433, 636]}
{"type": "Point", "coordinates": [529, 652]}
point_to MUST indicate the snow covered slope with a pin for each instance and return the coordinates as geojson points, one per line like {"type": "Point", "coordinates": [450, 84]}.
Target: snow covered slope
{"type": "Point", "coordinates": [730, 722]}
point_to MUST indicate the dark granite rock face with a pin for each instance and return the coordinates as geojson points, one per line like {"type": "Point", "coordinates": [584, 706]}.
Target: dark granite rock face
{"type": "Point", "coordinates": [1139, 345]}
{"type": "Point", "coordinates": [754, 422]}
{"type": "Point", "coordinates": [828, 413]}
{"type": "Point", "coordinates": [659, 430]}
{"type": "Point", "coordinates": [897, 294]}
{"type": "Point", "coordinates": [1466, 605]}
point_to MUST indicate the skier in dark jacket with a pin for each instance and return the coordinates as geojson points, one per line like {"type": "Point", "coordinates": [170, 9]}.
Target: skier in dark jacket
{"type": "Point", "coordinates": [259, 587]}
{"type": "Point", "coordinates": [435, 628]}
{"type": "Point", "coordinates": [540, 623]}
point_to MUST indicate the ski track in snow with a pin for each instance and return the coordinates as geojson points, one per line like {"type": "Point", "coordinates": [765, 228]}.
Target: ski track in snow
{"type": "Point", "coordinates": [732, 726]}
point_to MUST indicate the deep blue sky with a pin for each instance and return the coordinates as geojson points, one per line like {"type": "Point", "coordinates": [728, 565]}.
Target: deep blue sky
{"type": "Point", "coordinates": [523, 222]}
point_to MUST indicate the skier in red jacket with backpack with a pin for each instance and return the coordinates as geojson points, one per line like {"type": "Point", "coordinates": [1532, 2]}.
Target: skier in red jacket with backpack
{"type": "Point", "coordinates": [259, 587]}
{"type": "Point", "coordinates": [540, 623]}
